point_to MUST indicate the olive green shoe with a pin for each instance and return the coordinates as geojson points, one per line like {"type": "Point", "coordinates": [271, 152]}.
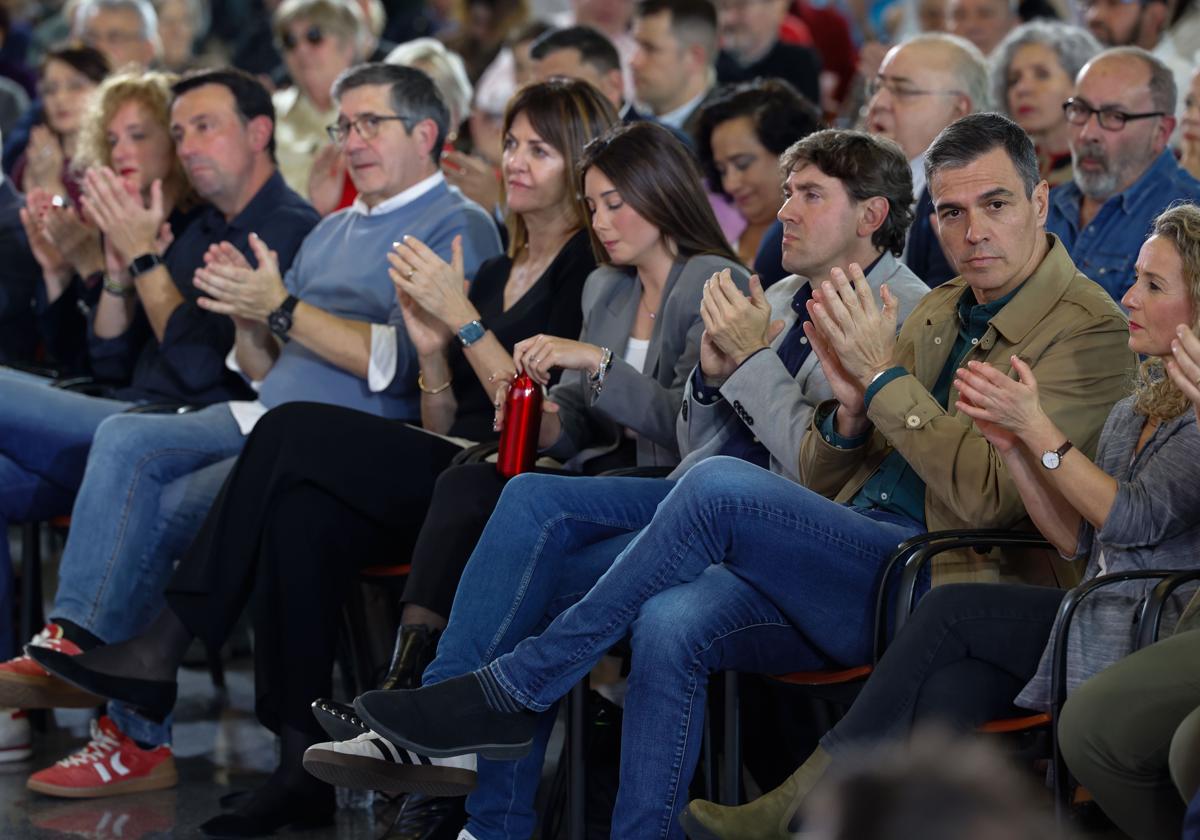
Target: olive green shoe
{"type": "Point", "coordinates": [773, 816]}
{"type": "Point", "coordinates": [766, 818]}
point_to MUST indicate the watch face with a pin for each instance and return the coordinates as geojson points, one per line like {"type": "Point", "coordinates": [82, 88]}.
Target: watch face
{"type": "Point", "coordinates": [279, 322]}
{"type": "Point", "coordinates": [1051, 460]}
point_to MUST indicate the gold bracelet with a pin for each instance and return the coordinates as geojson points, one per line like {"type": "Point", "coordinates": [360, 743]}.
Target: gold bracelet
{"type": "Point", "coordinates": [437, 390]}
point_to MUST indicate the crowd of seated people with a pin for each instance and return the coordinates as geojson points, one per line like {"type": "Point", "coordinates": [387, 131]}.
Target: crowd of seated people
{"type": "Point", "coordinates": [265, 283]}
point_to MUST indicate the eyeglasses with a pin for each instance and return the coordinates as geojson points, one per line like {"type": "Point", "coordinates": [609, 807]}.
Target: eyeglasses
{"type": "Point", "coordinates": [904, 90]}
{"type": "Point", "coordinates": [314, 35]}
{"type": "Point", "coordinates": [110, 37]}
{"type": "Point", "coordinates": [367, 126]}
{"type": "Point", "coordinates": [1078, 112]}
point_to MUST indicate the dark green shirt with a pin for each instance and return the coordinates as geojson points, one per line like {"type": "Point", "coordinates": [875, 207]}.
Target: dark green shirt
{"type": "Point", "coordinates": [895, 486]}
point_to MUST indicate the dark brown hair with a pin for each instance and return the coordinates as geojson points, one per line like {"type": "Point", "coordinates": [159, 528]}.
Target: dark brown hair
{"type": "Point", "coordinates": [567, 114]}
{"type": "Point", "coordinates": [87, 61]}
{"type": "Point", "coordinates": [867, 166]}
{"type": "Point", "coordinates": [658, 177]}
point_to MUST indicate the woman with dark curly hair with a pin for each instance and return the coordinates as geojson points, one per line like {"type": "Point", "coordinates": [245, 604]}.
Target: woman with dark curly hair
{"type": "Point", "coordinates": [742, 132]}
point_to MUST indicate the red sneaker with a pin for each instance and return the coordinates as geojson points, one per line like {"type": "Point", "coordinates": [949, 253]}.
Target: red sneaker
{"type": "Point", "coordinates": [24, 684]}
{"type": "Point", "coordinates": [109, 765]}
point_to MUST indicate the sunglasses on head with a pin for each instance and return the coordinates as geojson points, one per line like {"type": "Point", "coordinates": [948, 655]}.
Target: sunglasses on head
{"type": "Point", "coordinates": [313, 35]}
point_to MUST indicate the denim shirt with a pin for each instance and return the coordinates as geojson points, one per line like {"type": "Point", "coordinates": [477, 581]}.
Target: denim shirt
{"type": "Point", "coordinates": [1108, 247]}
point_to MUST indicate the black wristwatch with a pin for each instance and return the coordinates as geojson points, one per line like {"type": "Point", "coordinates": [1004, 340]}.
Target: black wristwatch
{"type": "Point", "coordinates": [279, 322]}
{"type": "Point", "coordinates": [140, 265]}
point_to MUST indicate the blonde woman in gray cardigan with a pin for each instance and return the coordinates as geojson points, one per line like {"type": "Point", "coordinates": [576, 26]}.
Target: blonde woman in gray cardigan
{"type": "Point", "coordinates": [970, 649]}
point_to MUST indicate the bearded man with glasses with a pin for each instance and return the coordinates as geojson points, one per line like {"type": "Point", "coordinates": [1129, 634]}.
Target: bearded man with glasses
{"type": "Point", "coordinates": [1122, 114]}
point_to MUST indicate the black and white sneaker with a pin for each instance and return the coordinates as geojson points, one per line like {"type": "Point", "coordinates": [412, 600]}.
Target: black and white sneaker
{"type": "Point", "coordinates": [339, 720]}
{"type": "Point", "coordinates": [372, 763]}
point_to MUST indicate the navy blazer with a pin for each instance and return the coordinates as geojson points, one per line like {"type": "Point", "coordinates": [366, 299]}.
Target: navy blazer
{"type": "Point", "coordinates": [924, 253]}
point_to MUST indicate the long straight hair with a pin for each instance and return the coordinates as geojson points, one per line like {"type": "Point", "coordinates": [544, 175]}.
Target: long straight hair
{"type": "Point", "coordinates": [567, 114]}
{"type": "Point", "coordinates": [659, 178]}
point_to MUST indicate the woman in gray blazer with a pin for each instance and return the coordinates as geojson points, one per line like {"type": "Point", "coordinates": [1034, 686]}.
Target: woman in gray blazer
{"type": "Point", "coordinates": [622, 380]}
{"type": "Point", "coordinates": [970, 649]}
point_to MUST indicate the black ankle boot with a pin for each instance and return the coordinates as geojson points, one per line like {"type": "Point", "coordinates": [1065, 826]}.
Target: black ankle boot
{"type": "Point", "coordinates": [416, 645]}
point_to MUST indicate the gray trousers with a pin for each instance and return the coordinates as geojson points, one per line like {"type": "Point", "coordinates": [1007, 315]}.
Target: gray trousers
{"type": "Point", "coordinates": [1131, 736]}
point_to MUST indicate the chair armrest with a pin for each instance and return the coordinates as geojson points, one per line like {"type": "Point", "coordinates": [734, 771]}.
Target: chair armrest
{"type": "Point", "coordinates": [638, 472]}
{"type": "Point", "coordinates": [1150, 620]}
{"type": "Point", "coordinates": [34, 370]}
{"type": "Point", "coordinates": [476, 454]}
{"type": "Point", "coordinates": [1070, 603]}
{"type": "Point", "coordinates": [81, 385]}
{"type": "Point", "coordinates": [160, 408]}
{"type": "Point", "coordinates": [912, 555]}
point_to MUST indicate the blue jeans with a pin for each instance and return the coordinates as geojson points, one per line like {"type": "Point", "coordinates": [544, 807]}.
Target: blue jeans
{"type": "Point", "coordinates": [149, 483]}
{"type": "Point", "coordinates": [777, 578]}
{"type": "Point", "coordinates": [45, 435]}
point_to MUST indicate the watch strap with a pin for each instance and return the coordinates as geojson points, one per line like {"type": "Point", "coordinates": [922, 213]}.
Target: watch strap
{"type": "Point", "coordinates": [141, 264]}
{"type": "Point", "coordinates": [471, 332]}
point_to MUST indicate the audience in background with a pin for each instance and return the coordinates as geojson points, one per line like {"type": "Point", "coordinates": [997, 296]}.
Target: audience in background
{"type": "Point", "coordinates": [673, 64]}
{"type": "Point", "coordinates": [126, 31]}
{"type": "Point", "coordinates": [985, 23]}
{"type": "Point", "coordinates": [751, 48]}
{"type": "Point", "coordinates": [922, 86]}
{"type": "Point", "coordinates": [1189, 125]}
{"type": "Point", "coordinates": [68, 77]}
{"type": "Point", "coordinates": [741, 132]}
{"type": "Point", "coordinates": [182, 24]}
{"type": "Point", "coordinates": [1122, 113]}
{"type": "Point", "coordinates": [1033, 73]}
{"type": "Point", "coordinates": [19, 338]}
{"type": "Point", "coordinates": [319, 40]}
{"type": "Point", "coordinates": [580, 52]}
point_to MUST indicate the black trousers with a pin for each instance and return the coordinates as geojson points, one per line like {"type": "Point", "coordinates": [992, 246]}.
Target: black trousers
{"type": "Point", "coordinates": [463, 500]}
{"type": "Point", "coordinates": [317, 493]}
{"type": "Point", "coordinates": [962, 658]}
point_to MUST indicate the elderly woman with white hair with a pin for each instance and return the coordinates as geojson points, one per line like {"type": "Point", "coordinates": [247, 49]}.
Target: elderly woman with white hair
{"type": "Point", "coordinates": [1033, 73]}
{"type": "Point", "coordinates": [318, 39]}
{"type": "Point", "coordinates": [449, 74]}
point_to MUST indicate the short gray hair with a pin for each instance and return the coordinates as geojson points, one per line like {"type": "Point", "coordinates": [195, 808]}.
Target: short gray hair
{"type": "Point", "coordinates": [1163, 92]}
{"type": "Point", "coordinates": [446, 68]}
{"type": "Point", "coordinates": [970, 67]}
{"type": "Point", "coordinates": [145, 12]}
{"type": "Point", "coordinates": [413, 95]}
{"type": "Point", "coordinates": [1073, 45]}
{"type": "Point", "coordinates": [967, 139]}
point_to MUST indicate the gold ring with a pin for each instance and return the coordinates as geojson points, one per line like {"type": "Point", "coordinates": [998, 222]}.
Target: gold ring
{"type": "Point", "coordinates": [411, 272]}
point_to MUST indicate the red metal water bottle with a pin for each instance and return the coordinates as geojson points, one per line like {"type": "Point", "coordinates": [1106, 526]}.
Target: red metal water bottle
{"type": "Point", "coordinates": [522, 421]}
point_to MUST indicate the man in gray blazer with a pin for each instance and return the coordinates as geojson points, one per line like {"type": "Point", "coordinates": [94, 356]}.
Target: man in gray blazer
{"type": "Point", "coordinates": [753, 394]}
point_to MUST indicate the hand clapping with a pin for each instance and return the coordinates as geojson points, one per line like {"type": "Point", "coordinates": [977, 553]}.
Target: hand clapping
{"type": "Point", "coordinates": [240, 291]}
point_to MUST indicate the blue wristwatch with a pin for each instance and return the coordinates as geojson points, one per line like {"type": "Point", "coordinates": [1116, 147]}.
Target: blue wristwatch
{"type": "Point", "coordinates": [468, 334]}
